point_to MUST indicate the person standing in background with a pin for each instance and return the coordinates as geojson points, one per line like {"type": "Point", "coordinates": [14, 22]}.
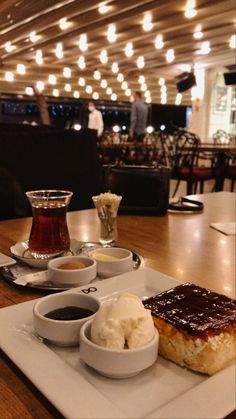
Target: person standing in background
{"type": "Point", "coordinates": [95, 120]}
{"type": "Point", "coordinates": [84, 115]}
{"type": "Point", "coordinates": [139, 114]}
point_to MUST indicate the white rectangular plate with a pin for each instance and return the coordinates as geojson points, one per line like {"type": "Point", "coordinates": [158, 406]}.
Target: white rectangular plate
{"type": "Point", "coordinates": [163, 391]}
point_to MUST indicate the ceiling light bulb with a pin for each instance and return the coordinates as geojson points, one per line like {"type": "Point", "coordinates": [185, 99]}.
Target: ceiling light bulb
{"type": "Point", "coordinates": [64, 24]}
{"type": "Point", "coordinates": [67, 72]}
{"type": "Point", "coordinates": [76, 94]}
{"type": "Point", "coordinates": [20, 68]}
{"type": "Point", "coordinates": [143, 87]}
{"type": "Point", "coordinates": [190, 11]}
{"type": "Point", "coordinates": [34, 37]}
{"type": "Point", "coordinates": [83, 46]}
{"type": "Point", "coordinates": [103, 84]}
{"type": "Point", "coordinates": [149, 129]}
{"type": "Point", "coordinates": [170, 55]}
{"type": "Point", "coordinates": [198, 35]}
{"type": "Point", "coordinates": [89, 89]}
{"type": "Point", "coordinates": [59, 50]}
{"type": "Point", "coordinates": [97, 75]}
{"type": "Point", "coordinates": [9, 47]}
{"type": "Point", "coordinates": [147, 93]}
{"type": "Point", "coordinates": [205, 48]}
{"type": "Point", "coordinates": [81, 81]}
{"type": "Point", "coordinates": [163, 88]}
{"type": "Point", "coordinates": [114, 96]}
{"type": "Point", "coordinates": [124, 85]}
{"type": "Point", "coordinates": [147, 22]}
{"type": "Point", "coordinates": [52, 79]}
{"type": "Point", "coordinates": [232, 42]}
{"type": "Point", "coordinates": [128, 92]}
{"type": "Point", "coordinates": [185, 68]}
{"type": "Point", "coordinates": [111, 33]}
{"type": "Point", "coordinates": [163, 101]}
{"type": "Point", "coordinates": [40, 85]}
{"type": "Point", "coordinates": [159, 44]}
{"type": "Point", "coordinates": [103, 56]}
{"type": "Point", "coordinates": [29, 91]}
{"type": "Point", "coordinates": [116, 128]}
{"type": "Point", "coordinates": [178, 97]}
{"type": "Point", "coordinates": [148, 99]}
{"type": "Point", "coordinates": [103, 8]}
{"type": "Point", "coordinates": [55, 92]}
{"type": "Point", "coordinates": [95, 95]}
{"type": "Point", "coordinates": [109, 91]}
{"type": "Point", "coordinates": [115, 68]}
{"type": "Point", "coordinates": [161, 81]}
{"type": "Point", "coordinates": [140, 62]}
{"type": "Point", "coordinates": [120, 77]}
{"type": "Point", "coordinates": [81, 62]}
{"type": "Point", "coordinates": [141, 79]}
{"type": "Point", "coordinates": [39, 57]}
{"type": "Point", "coordinates": [9, 76]}
{"type": "Point", "coordinates": [129, 49]}
{"type": "Point", "coordinates": [67, 87]}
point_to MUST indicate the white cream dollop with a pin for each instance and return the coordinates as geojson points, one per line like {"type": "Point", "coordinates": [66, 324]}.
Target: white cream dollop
{"type": "Point", "coordinates": [122, 322]}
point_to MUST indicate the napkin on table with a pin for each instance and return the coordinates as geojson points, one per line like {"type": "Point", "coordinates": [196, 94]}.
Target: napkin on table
{"type": "Point", "coordinates": [226, 228]}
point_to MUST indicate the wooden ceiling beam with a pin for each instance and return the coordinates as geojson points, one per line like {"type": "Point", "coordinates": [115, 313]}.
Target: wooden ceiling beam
{"type": "Point", "coordinates": [130, 10]}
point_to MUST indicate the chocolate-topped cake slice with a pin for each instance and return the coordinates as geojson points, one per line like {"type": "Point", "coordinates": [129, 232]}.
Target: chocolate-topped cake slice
{"type": "Point", "coordinates": [197, 327]}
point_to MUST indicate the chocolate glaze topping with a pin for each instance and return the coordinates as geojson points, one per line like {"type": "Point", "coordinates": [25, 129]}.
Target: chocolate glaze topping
{"type": "Point", "coordinates": [198, 311]}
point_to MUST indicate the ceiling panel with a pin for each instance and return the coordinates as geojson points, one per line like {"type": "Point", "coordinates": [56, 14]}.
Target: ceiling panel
{"type": "Point", "coordinates": [19, 18]}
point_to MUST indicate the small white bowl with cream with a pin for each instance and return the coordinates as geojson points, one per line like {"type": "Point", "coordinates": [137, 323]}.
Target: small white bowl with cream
{"type": "Point", "coordinates": [112, 261]}
{"type": "Point", "coordinates": [121, 340]}
{"type": "Point", "coordinates": [72, 270]}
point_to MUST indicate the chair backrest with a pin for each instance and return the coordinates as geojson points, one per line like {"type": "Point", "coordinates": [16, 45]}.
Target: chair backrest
{"type": "Point", "coordinates": [223, 137]}
{"type": "Point", "coordinates": [144, 189]}
{"type": "Point", "coordinates": [179, 148]}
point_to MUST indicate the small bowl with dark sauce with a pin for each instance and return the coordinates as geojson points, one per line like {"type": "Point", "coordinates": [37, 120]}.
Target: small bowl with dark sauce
{"type": "Point", "coordinates": [59, 317]}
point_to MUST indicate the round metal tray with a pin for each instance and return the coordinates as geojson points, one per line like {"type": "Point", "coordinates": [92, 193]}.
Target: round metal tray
{"type": "Point", "coordinates": [13, 272]}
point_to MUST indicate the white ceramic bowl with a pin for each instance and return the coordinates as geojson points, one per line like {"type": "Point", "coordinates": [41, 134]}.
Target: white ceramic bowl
{"type": "Point", "coordinates": [72, 276]}
{"type": "Point", "coordinates": [117, 363]}
{"type": "Point", "coordinates": [62, 332]}
{"type": "Point", "coordinates": [107, 268]}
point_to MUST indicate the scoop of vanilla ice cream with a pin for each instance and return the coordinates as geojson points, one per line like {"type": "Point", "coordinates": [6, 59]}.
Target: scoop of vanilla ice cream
{"type": "Point", "coordinates": [121, 322]}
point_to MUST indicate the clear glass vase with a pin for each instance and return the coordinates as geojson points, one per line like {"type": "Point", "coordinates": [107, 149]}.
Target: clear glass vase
{"type": "Point", "coordinates": [107, 206]}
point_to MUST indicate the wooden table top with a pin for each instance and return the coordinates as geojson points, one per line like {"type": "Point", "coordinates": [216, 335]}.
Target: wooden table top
{"type": "Point", "coordinates": [179, 245]}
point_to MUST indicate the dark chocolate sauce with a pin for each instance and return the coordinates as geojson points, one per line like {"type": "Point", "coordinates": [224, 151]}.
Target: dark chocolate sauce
{"type": "Point", "coordinates": [69, 313]}
{"type": "Point", "coordinates": [198, 311]}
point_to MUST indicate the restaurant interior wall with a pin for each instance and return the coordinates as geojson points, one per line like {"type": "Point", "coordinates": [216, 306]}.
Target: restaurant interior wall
{"type": "Point", "coordinates": [222, 105]}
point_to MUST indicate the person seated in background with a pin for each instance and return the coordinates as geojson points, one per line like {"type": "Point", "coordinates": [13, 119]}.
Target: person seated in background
{"type": "Point", "coordinates": [138, 120]}
{"type": "Point", "coordinates": [95, 120]}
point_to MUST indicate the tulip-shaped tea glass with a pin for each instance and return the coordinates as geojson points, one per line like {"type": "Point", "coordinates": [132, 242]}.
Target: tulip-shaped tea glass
{"type": "Point", "coordinates": [49, 234]}
{"type": "Point", "coordinates": [107, 205]}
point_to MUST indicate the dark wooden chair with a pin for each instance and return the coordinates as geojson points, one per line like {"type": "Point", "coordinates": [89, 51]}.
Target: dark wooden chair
{"type": "Point", "coordinates": [179, 151]}
{"type": "Point", "coordinates": [229, 169]}
{"type": "Point", "coordinates": [223, 137]}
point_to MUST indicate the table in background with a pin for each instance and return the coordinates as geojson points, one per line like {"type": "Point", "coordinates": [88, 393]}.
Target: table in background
{"type": "Point", "coordinates": [179, 245]}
